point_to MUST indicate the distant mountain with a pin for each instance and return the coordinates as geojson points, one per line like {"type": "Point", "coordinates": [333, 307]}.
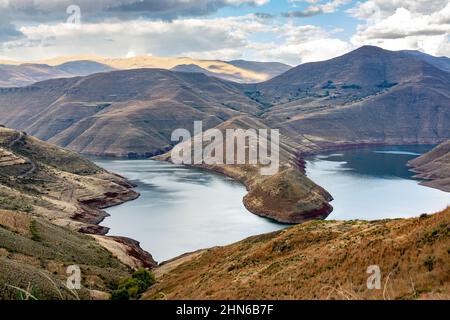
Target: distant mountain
{"type": "Point", "coordinates": [193, 68]}
{"type": "Point", "coordinates": [25, 74]}
{"type": "Point", "coordinates": [84, 67]}
{"type": "Point", "coordinates": [272, 69]}
{"type": "Point", "coordinates": [369, 95]}
{"type": "Point", "coordinates": [238, 71]}
{"type": "Point", "coordinates": [442, 63]}
{"type": "Point", "coordinates": [121, 112]}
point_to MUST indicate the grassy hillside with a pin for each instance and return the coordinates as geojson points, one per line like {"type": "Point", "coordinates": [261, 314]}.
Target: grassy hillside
{"type": "Point", "coordinates": [34, 256]}
{"type": "Point", "coordinates": [49, 197]}
{"type": "Point", "coordinates": [319, 260]}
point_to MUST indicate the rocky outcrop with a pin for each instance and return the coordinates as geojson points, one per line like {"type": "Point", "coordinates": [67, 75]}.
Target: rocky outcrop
{"type": "Point", "coordinates": [128, 251]}
{"type": "Point", "coordinates": [434, 166]}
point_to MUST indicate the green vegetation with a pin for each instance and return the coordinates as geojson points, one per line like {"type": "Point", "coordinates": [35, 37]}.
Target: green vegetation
{"type": "Point", "coordinates": [329, 85]}
{"type": "Point", "coordinates": [133, 287]}
{"type": "Point", "coordinates": [351, 86]}
{"type": "Point", "coordinates": [386, 84]}
{"type": "Point", "coordinates": [15, 204]}
{"type": "Point", "coordinates": [429, 263]}
{"type": "Point", "coordinates": [34, 231]}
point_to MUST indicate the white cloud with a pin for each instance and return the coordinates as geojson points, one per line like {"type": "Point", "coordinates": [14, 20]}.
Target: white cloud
{"type": "Point", "coordinates": [317, 8]}
{"type": "Point", "coordinates": [376, 10]}
{"type": "Point", "coordinates": [213, 38]}
{"type": "Point", "coordinates": [416, 28]}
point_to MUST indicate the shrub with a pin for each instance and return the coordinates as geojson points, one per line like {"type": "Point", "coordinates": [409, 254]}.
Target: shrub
{"type": "Point", "coordinates": [133, 287]}
{"type": "Point", "coordinates": [145, 276]}
{"type": "Point", "coordinates": [429, 263]}
{"type": "Point", "coordinates": [34, 231]}
{"type": "Point", "coordinates": [120, 294]}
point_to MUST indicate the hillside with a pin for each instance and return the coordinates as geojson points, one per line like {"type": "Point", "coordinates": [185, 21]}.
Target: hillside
{"type": "Point", "coordinates": [368, 96]}
{"type": "Point", "coordinates": [287, 195]}
{"type": "Point", "coordinates": [319, 260]}
{"type": "Point", "coordinates": [48, 198]}
{"type": "Point", "coordinates": [26, 74]}
{"type": "Point", "coordinates": [434, 166]}
{"type": "Point", "coordinates": [121, 113]}
{"type": "Point", "coordinates": [272, 69]}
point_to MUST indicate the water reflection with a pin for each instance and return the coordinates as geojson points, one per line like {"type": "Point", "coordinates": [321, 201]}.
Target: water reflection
{"type": "Point", "coordinates": [181, 210]}
{"type": "Point", "coordinates": [375, 183]}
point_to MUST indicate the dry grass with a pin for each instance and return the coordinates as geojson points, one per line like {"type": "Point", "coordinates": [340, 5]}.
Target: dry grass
{"type": "Point", "coordinates": [16, 222]}
{"type": "Point", "coordinates": [322, 260]}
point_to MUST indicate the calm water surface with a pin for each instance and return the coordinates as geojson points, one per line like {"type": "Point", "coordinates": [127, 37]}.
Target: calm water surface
{"type": "Point", "coordinates": [181, 210]}
{"type": "Point", "coordinates": [375, 183]}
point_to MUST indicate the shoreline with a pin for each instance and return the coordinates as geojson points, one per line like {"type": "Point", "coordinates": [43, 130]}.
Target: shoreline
{"type": "Point", "coordinates": [111, 200]}
{"type": "Point", "coordinates": [127, 250]}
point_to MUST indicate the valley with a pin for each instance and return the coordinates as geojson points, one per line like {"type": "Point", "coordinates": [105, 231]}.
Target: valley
{"type": "Point", "coordinates": [369, 97]}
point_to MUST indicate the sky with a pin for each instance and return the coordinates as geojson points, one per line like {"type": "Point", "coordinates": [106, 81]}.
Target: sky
{"type": "Point", "coordinates": [288, 31]}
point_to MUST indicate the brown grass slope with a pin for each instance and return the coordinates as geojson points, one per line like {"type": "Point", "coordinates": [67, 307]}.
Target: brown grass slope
{"type": "Point", "coordinates": [434, 166]}
{"type": "Point", "coordinates": [320, 260]}
{"type": "Point", "coordinates": [34, 256]}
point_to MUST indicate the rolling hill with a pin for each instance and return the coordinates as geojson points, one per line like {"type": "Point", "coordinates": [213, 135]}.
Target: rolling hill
{"type": "Point", "coordinates": [368, 96]}
{"type": "Point", "coordinates": [122, 112]}
{"type": "Point", "coordinates": [272, 69]}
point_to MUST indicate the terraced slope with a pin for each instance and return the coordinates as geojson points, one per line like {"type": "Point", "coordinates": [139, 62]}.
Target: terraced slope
{"type": "Point", "coordinates": [49, 197]}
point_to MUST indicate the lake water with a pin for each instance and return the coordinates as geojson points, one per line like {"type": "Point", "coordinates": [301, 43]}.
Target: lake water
{"type": "Point", "coordinates": [181, 210]}
{"type": "Point", "coordinates": [375, 183]}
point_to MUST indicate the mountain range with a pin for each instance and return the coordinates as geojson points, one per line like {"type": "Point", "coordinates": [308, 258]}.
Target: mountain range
{"type": "Point", "coordinates": [18, 74]}
{"type": "Point", "coordinates": [369, 96]}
